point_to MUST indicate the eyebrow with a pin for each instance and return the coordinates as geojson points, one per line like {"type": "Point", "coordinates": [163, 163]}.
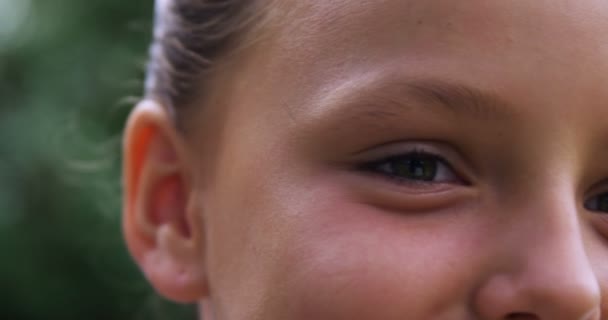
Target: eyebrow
{"type": "Point", "coordinates": [381, 98]}
{"type": "Point", "coordinates": [460, 99]}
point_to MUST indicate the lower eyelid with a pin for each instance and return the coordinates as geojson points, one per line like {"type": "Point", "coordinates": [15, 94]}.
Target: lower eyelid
{"type": "Point", "coordinates": [417, 186]}
{"type": "Point", "coordinates": [407, 196]}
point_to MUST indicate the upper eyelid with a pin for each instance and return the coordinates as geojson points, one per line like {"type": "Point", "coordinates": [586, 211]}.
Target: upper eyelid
{"type": "Point", "coordinates": [397, 147]}
{"type": "Point", "coordinates": [371, 165]}
{"type": "Point", "coordinates": [390, 150]}
{"type": "Point", "coordinates": [430, 155]}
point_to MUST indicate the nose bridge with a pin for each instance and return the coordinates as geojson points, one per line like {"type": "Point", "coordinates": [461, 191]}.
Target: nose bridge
{"type": "Point", "coordinates": [546, 273]}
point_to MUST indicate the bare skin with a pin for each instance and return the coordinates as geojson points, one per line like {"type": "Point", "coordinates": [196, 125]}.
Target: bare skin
{"type": "Point", "coordinates": [387, 160]}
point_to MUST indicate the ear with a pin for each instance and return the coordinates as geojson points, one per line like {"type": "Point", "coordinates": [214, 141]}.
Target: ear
{"type": "Point", "coordinates": [161, 223]}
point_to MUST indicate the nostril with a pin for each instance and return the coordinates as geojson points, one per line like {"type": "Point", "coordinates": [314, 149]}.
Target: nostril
{"type": "Point", "coordinates": [521, 316]}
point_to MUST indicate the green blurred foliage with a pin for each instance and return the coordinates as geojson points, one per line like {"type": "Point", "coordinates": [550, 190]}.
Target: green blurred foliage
{"type": "Point", "coordinates": [69, 72]}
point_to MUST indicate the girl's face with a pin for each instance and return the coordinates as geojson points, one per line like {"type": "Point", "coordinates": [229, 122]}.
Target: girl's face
{"type": "Point", "coordinates": [410, 160]}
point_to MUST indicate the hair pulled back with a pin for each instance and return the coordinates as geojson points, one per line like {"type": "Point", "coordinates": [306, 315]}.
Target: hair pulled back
{"type": "Point", "coordinates": [189, 36]}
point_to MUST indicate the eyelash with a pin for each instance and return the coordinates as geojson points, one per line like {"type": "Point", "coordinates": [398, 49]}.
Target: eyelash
{"type": "Point", "coordinates": [386, 167]}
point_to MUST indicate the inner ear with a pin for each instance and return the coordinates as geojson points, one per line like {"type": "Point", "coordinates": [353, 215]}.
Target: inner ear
{"type": "Point", "coordinates": [169, 198]}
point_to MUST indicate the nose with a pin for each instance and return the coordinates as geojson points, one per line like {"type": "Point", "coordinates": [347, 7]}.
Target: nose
{"type": "Point", "coordinates": [544, 271]}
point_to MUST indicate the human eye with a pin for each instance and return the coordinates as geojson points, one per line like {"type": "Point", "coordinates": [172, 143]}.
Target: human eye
{"type": "Point", "coordinates": [597, 203]}
{"type": "Point", "coordinates": [415, 166]}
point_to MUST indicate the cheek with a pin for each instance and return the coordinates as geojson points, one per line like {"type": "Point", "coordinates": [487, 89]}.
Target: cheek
{"type": "Point", "coordinates": [353, 261]}
{"type": "Point", "coordinates": [302, 246]}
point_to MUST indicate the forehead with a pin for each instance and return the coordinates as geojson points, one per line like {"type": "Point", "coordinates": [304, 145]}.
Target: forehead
{"type": "Point", "coordinates": [438, 23]}
{"type": "Point", "coordinates": [494, 43]}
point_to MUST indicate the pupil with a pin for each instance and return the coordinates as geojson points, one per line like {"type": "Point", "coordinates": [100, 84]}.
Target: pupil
{"type": "Point", "coordinates": [419, 169]}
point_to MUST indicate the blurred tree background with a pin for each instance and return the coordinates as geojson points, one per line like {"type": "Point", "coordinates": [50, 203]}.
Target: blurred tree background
{"type": "Point", "coordinates": [69, 72]}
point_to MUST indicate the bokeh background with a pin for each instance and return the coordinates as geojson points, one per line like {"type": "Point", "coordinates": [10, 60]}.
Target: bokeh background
{"type": "Point", "coordinates": [70, 70]}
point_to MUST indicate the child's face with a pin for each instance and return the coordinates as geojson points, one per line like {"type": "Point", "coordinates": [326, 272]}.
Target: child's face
{"type": "Point", "coordinates": [412, 160]}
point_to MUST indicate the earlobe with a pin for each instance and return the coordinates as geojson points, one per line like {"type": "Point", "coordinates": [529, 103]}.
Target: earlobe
{"type": "Point", "coordinates": [161, 221]}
